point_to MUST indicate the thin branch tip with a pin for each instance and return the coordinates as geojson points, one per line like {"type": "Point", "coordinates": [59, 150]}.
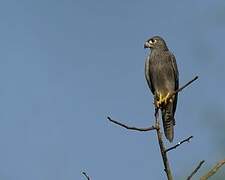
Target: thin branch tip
{"type": "Point", "coordinates": [196, 170]}
{"type": "Point", "coordinates": [130, 127]}
{"type": "Point", "coordinates": [179, 143]}
{"type": "Point", "coordinates": [213, 170]}
{"type": "Point", "coordinates": [86, 176]}
{"type": "Point", "coordinates": [196, 77]}
{"type": "Point", "coordinates": [183, 87]}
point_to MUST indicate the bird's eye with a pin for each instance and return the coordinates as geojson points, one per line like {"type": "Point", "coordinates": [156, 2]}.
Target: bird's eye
{"type": "Point", "coordinates": [152, 41]}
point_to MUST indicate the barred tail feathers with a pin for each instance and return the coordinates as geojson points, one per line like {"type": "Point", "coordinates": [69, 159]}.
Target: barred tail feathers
{"type": "Point", "coordinates": [168, 121]}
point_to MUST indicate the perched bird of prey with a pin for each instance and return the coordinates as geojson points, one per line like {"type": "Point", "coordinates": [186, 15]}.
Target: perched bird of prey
{"type": "Point", "coordinates": [163, 79]}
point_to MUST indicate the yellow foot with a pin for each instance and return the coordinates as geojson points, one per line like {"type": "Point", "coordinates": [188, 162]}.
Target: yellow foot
{"type": "Point", "coordinates": [162, 101]}
{"type": "Point", "coordinates": [165, 99]}
{"type": "Point", "coordinates": [158, 100]}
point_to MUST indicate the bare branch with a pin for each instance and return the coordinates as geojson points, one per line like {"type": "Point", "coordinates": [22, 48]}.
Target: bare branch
{"type": "Point", "coordinates": [182, 87]}
{"type": "Point", "coordinates": [162, 148]}
{"type": "Point", "coordinates": [131, 128]}
{"type": "Point", "coordinates": [179, 143]}
{"type": "Point", "coordinates": [85, 174]}
{"type": "Point", "coordinates": [213, 170]}
{"type": "Point", "coordinates": [159, 134]}
{"type": "Point", "coordinates": [195, 170]}
{"type": "Point", "coordinates": [156, 127]}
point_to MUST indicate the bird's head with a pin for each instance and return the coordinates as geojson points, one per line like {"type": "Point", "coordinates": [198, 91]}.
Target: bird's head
{"type": "Point", "coordinates": [156, 42]}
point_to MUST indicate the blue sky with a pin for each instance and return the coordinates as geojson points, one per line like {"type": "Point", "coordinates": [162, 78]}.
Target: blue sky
{"type": "Point", "coordinates": [67, 65]}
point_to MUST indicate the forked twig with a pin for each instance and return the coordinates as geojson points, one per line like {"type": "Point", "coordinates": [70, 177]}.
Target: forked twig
{"type": "Point", "coordinates": [159, 133]}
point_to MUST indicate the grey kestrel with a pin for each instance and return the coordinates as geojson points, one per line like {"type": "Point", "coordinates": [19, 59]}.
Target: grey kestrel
{"type": "Point", "coordinates": [163, 79]}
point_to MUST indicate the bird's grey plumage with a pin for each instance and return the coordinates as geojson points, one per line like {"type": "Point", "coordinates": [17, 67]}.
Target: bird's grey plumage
{"type": "Point", "coordinates": [162, 77]}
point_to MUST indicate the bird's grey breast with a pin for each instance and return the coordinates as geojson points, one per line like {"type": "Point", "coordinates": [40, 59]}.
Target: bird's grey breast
{"type": "Point", "coordinates": [162, 73]}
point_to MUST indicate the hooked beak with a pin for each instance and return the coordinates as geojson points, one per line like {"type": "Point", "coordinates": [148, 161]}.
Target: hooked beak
{"type": "Point", "coordinates": [147, 45]}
